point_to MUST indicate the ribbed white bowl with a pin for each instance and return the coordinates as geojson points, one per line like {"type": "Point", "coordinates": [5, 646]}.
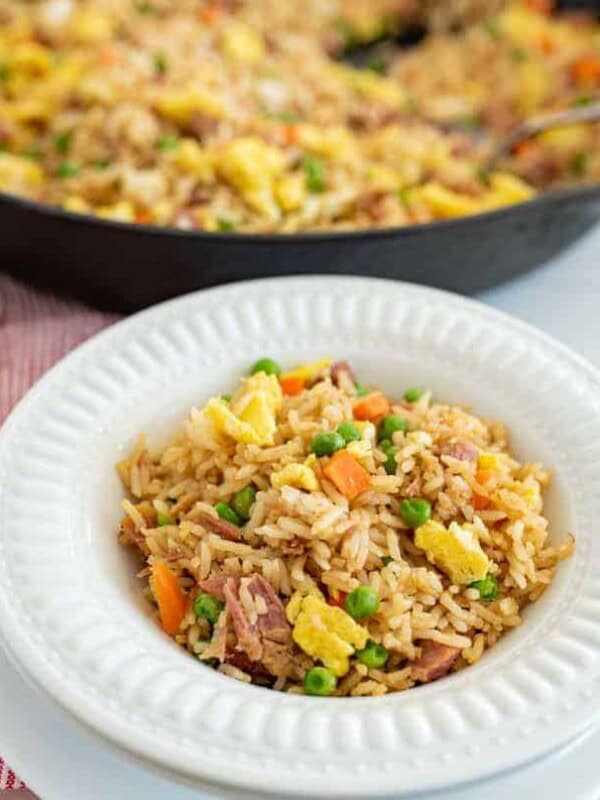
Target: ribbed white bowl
{"type": "Point", "coordinates": [70, 608]}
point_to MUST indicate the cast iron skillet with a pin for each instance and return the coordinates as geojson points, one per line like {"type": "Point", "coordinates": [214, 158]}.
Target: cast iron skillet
{"type": "Point", "coordinates": [125, 267]}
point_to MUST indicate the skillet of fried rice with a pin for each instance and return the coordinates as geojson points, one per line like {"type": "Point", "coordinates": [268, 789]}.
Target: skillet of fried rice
{"type": "Point", "coordinates": [234, 115]}
{"type": "Point", "coordinates": [315, 536]}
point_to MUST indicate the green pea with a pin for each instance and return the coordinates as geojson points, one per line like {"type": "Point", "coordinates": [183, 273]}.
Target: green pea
{"type": "Point", "coordinates": [387, 560]}
{"type": "Point", "coordinates": [578, 164]}
{"type": "Point", "coordinates": [373, 655]}
{"type": "Point", "coordinates": [415, 511]}
{"type": "Point", "coordinates": [391, 424]}
{"type": "Point", "coordinates": [160, 63]}
{"type": "Point", "coordinates": [34, 152]}
{"type": "Point", "coordinates": [225, 225]}
{"type": "Point", "coordinates": [361, 390]}
{"type": "Point", "coordinates": [242, 502]}
{"type": "Point", "coordinates": [226, 512]}
{"type": "Point", "coordinates": [385, 445]}
{"type": "Point", "coordinates": [403, 196]}
{"type": "Point", "coordinates": [315, 175]}
{"type": "Point", "coordinates": [413, 395]}
{"type": "Point", "coordinates": [326, 444]}
{"type": "Point", "coordinates": [362, 602]}
{"type": "Point", "coordinates": [162, 519]}
{"type": "Point", "coordinates": [62, 142]}
{"type": "Point", "coordinates": [206, 606]}
{"type": "Point", "coordinates": [226, 398]}
{"type": "Point", "coordinates": [349, 432]}
{"type": "Point", "coordinates": [266, 365]}
{"type": "Point", "coordinates": [493, 28]}
{"type": "Point", "coordinates": [101, 163]}
{"type": "Point", "coordinates": [487, 588]}
{"type": "Point", "coordinates": [168, 142]}
{"type": "Point", "coordinates": [320, 681]}
{"type": "Point", "coordinates": [518, 54]}
{"type": "Point", "coordinates": [390, 463]}
{"type": "Point", "coordinates": [67, 170]}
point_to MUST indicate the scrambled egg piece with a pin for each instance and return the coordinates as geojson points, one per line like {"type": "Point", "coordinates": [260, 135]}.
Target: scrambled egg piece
{"type": "Point", "coordinates": [455, 550]}
{"type": "Point", "coordinates": [496, 461]}
{"type": "Point", "coordinates": [251, 166]}
{"type": "Point", "coordinates": [241, 43]}
{"type": "Point", "coordinates": [308, 372]}
{"type": "Point", "coordinates": [196, 161]}
{"type": "Point", "coordinates": [300, 476]}
{"type": "Point", "coordinates": [260, 382]}
{"type": "Point", "coordinates": [334, 143]}
{"type": "Point", "coordinates": [372, 86]}
{"type": "Point", "coordinates": [91, 26]}
{"type": "Point", "coordinates": [30, 58]}
{"type": "Point", "coordinates": [19, 174]}
{"type": "Point", "coordinates": [290, 192]}
{"type": "Point", "coordinates": [325, 632]}
{"type": "Point", "coordinates": [251, 417]}
{"type": "Point", "coordinates": [180, 105]}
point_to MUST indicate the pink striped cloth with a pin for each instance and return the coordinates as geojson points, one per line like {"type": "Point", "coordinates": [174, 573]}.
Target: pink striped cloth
{"type": "Point", "coordinates": [36, 330]}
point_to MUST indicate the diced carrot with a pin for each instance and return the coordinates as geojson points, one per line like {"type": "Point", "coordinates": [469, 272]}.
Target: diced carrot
{"type": "Point", "coordinates": [544, 7]}
{"type": "Point", "coordinates": [339, 600]}
{"type": "Point", "coordinates": [169, 596]}
{"type": "Point", "coordinates": [372, 406]}
{"type": "Point", "coordinates": [210, 14]}
{"type": "Point", "coordinates": [483, 475]}
{"type": "Point", "coordinates": [546, 44]}
{"type": "Point", "coordinates": [347, 475]}
{"type": "Point", "coordinates": [586, 70]}
{"type": "Point", "coordinates": [292, 384]}
{"type": "Point", "coordinates": [480, 502]}
{"type": "Point", "coordinates": [108, 55]}
{"type": "Point", "coordinates": [143, 217]}
{"type": "Point", "coordinates": [289, 134]}
{"type": "Point", "coordinates": [526, 148]}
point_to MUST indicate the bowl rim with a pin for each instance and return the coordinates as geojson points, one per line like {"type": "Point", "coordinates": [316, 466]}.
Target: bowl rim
{"type": "Point", "coordinates": [119, 731]}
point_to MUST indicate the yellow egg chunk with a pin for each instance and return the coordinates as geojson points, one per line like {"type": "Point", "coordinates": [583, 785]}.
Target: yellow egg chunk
{"type": "Point", "coordinates": [256, 411]}
{"type": "Point", "coordinates": [308, 372]}
{"type": "Point", "coordinates": [192, 158]}
{"type": "Point", "coordinates": [496, 461]}
{"type": "Point", "coordinates": [251, 166]}
{"type": "Point", "coordinates": [301, 476]}
{"type": "Point", "coordinates": [326, 632]}
{"type": "Point", "coordinates": [241, 43]}
{"type": "Point", "coordinates": [180, 105]}
{"type": "Point", "coordinates": [455, 550]}
{"type": "Point", "coordinates": [226, 422]}
{"type": "Point", "coordinates": [262, 382]}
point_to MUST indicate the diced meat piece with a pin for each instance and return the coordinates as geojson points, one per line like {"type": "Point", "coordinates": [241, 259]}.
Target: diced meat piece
{"type": "Point", "coordinates": [215, 585]}
{"type": "Point", "coordinates": [218, 644]}
{"type": "Point", "coordinates": [436, 661]}
{"type": "Point", "coordinates": [268, 637]}
{"type": "Point", "coordinates": [202, 126]}
{"type": "Point", "coordinates": [247, 634]}
{"type": "Point", "coordinates": [220, 526]}
{"type": "Point", "coordinates": [462, 451]}
{"type": "Point", "coordinates": [273, 623]}
{"type": "Point", "coordinates": [342, 375]}
{"type": "Point", "coordinates": [239, 659]}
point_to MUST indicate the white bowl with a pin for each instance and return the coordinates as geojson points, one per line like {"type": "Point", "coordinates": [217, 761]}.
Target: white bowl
{"type": "Point", "coordinates": [71, 612]}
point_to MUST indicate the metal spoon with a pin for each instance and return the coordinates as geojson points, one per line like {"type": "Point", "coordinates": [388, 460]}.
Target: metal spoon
{"type": "Point", "coordinates": [539, 124]}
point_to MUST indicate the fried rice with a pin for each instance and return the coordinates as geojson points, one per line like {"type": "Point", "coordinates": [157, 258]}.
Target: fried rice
{"type": "Point", "coordinates": [314, 536]}
{"type": "Point", "coordinates": [236, 115]}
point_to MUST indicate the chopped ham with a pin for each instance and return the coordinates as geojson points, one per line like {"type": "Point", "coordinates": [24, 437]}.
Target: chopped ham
{"type": "Point", "coordinates": [267, 639]}
{"type": "Point", "coordinates": [220, 526]}
{"type": "Point", "coordinates": [436, 661]}
{"type": "Point", "coordinates": [462, 451]}
{"type": "Point", "coordinates": [343, 376]}
{"type": "Point", "coordinates": [215, 586]}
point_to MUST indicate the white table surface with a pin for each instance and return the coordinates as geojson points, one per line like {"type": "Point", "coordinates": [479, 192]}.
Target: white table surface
{"type": "Point", "coordinates": [563, 299]}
